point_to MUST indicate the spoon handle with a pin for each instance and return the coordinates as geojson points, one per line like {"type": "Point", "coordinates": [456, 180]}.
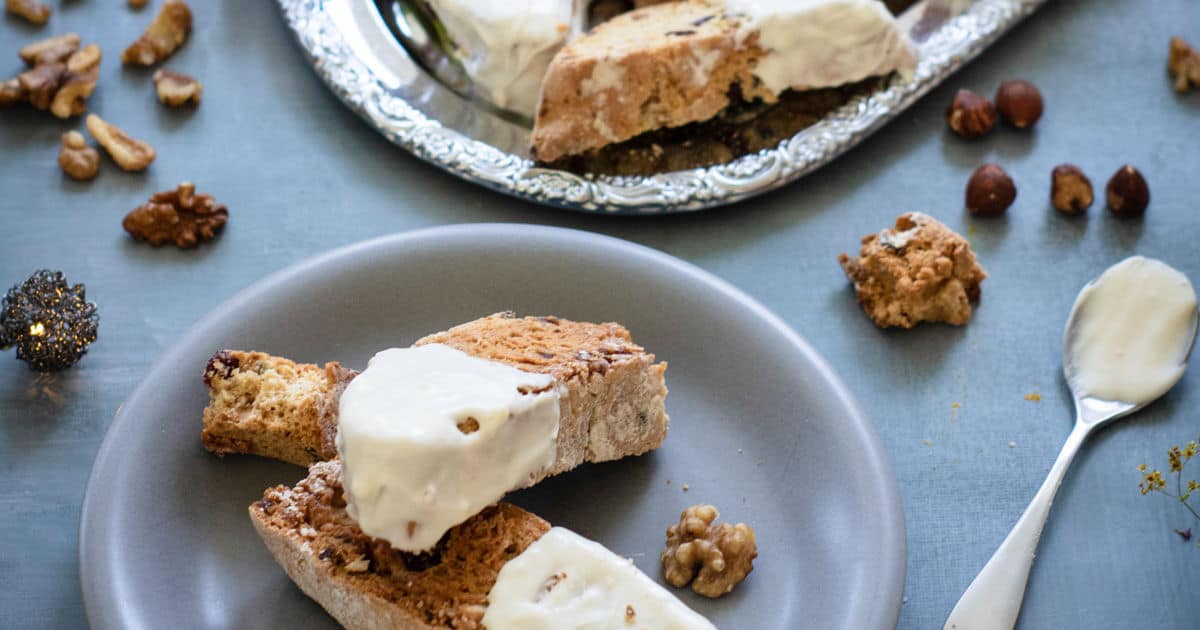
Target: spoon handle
{"type": "Point", "coordinates": [993, 600]}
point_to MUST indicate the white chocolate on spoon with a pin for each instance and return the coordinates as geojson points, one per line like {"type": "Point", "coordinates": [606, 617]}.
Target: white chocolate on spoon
{"type": "Point", "coordinates": [1127, 342]}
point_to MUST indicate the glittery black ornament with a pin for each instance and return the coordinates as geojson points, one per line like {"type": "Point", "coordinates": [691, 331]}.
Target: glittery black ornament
{"type": "Point", "coordinates": [49, 322]}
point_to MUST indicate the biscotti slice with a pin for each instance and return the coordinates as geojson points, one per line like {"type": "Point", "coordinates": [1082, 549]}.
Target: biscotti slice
{"type": "Point", "coordinates": [612, 406]}
{"type": "Point", "coordinates": [362, 582]}
{"type": "Point", "coordinates": [270, 406]}
{"type": "Point", "coordinates": [663, 65]}
{"type": "Point", "coordinates": [670, 64]}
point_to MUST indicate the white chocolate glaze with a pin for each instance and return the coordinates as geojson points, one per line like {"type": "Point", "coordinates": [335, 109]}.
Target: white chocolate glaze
{"type": "Point", "coordinates": [564, 581]}
{"type": "Point", "coordinates": [1133, 327]}
{"type": "Point", "coordinates": [506, 46]}
{"type": "Point", "coordinates": [824, 43]}
{"type": "Point", "coordinates": [409, 471]}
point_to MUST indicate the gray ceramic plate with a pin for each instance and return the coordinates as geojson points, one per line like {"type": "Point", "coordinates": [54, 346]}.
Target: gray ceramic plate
{"type": "Point", "coordinates": [761, 427]}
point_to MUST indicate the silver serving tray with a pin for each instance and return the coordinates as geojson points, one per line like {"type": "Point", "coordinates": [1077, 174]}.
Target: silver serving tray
{"type": "Point", "coordinates": [353, 51]}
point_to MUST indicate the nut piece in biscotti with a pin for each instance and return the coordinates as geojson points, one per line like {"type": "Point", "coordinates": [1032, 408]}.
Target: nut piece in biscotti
{"type": "Point", "coordinates": [713, 558]}
{"type": "Point", "coordinates": [49, 50]}
{"type": "Point", "coordinates": [130, 154]}
{"type": "Point", "coordinates": [32, 10]}
{"type": "Point", "coordinates": [918, 271]}
{"type": "Point", "coordinates": [364, 582]}
{"type": "Point", "coordinates": [269, 406]}
{"type": "Point", "coordinates": [165, 34]}
{"type": "Point", "coordinates": [1183, 63]}
{"type": "Point", "coordinates": [175, 89]}
{"type": "Point", "coordinates": [611, 84]}
{"type": "Point", "coordinates": [77, 159]}
{"type": "Point", "coordinates": [177, 216]}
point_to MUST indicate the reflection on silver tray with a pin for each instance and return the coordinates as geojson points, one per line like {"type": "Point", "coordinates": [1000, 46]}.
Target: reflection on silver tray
{"type": "Point", "coordinates": [356, 55]}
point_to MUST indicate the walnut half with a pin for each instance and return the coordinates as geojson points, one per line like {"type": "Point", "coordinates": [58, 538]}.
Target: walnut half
{"type": "Point", "coordinates": [177, 89]}
{"type": "Point", "coordinates": [33, 11]}
{"type": "Point", "coordinates": [165, 34]}
{"type": "Point", "coordinates": [77, 159]}
{"type": "Point", "coordinates": [1184, 65]}
{"type": "Point", "coordinates": [713, 558]}
{"type": "Point", "coordinates": [177, 216]}
{"type": "Point", "coordinates": [128, 153]}
{"type": "Point", "coordinates": [49, 50]}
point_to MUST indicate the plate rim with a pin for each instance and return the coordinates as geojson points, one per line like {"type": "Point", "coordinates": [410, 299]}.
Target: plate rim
{"type": "Point", "coordinates": [102, 610]}
{"type": "Point", "coordinates": [358, 85]}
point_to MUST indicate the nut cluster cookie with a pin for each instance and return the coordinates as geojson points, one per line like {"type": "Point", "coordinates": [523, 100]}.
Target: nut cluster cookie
{"type": "Point", "coordinates": [918, 271]}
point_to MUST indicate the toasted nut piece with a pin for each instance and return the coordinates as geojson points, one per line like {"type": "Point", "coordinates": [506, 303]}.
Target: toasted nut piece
{"type": "Point", "coordinates": [128, 153]}
{"type": "Point", "coordinates": [41, 83]}
{"type": "Point", "coordinates": [990, 191]}
{"type": "Point", "coordinates": [12, 93]}
{"type": "Point", "coordinates": [77, 159]}
{"type": "Point", "coordinates": [1070, 189]}
{"type": "Point", "coordinates": [970, 115]}
{"type": "Point", "coordinates": [32, 10]}
{"type": "Point", "coordinates": [177, 216]}
{"type": "Point", "coordinates": [1127, 192]}
{"type": "Point", "coordinates": [84, 60]}
{"type": "Point", "coordinates": [166, 33]}
{"type": "Point", "coordinates": [137, 4]}
{"type": "Point", "coordinates": [71, 98]}
{"type": "Point", "coordinates": [1019, 103]}
{"type": "Point", "coordinates": [714, 558]}
{"type": "Point", "coordinates": [1184, 64]}
{"type": "Point", "coordinates": [176, 89]}
{"type": "Point", "coordinates": [49, 50]}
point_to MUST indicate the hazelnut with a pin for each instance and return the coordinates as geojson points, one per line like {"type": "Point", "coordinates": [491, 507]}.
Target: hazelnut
{"type": "Point", "coordinates": [1019, 103]}
{"type": "Point", "coordinates": [1070, 189]}
{"type": "Point", "coordinates": [77, 159]}
{"type": "Point", "coordinates": [130, 154]}
{"type": "Point", "coordinates": [970, 115]}
{"type": "Point", "coordinates": [1127, 192]}
{"type": "Point", "coordinates": [990, 191]}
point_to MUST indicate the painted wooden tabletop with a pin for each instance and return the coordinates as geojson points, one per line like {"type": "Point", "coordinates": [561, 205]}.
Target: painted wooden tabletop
{"type": "Point", "coordinates": [302, 175]}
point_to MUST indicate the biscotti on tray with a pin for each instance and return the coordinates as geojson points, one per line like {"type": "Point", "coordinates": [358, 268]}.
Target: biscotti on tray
{"type": "Point", "coordinates": [613, 405]}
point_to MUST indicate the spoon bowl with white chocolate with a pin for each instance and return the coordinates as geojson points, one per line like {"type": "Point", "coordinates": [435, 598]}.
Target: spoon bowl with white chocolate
{"type": "Point", "coordinates": [1126, 343]}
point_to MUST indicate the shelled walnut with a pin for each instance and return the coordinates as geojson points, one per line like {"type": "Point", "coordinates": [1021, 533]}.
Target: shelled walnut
{"type": "Point", "coordinates": [165, 34]}
{"type": "Point", "coordinates": [713, 558]}
{"type": "Point", "coordinates": [175, 89]}
{"type": "Point", "coordinates": [177, 216]}
{"type": "Point", "coordinates": [49, 50]}
{"type": "Point", "coordinates": [33, 11]}
{"type": "Point", "coordinates": [129, 153]}
{"type": "Point", "coordinates": [61, 77]}
{"type": "Point", "coordinates": [11, 93]}
{"type": "Point", "coordinates": [41, 82]}
{"type": "Point", "coordinates": [1184, 65]}
{"type": "Point", "coordinates": [76, 158]}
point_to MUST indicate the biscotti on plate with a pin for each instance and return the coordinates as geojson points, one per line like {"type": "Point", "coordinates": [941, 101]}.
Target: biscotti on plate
{"type": "Point", "coordinates": [273, 407]}
{"type": "Point", "coordinates": [674, 63]}
{"type": "Point", "coordinates": [613, 405]}
{"type": "Point", "coordinates": [363, 582]}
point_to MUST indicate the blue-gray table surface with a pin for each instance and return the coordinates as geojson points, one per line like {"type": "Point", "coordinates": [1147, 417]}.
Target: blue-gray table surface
{"type": "Point", "coordinates": [301, 175]}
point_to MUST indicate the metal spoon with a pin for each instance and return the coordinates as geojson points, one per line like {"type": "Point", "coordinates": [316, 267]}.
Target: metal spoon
{"type": "Point", "coordinates": [993, 600]}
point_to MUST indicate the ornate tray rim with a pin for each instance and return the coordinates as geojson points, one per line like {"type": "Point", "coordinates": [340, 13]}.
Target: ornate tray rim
{"type": "Point", "coordinates": [945, 50]}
